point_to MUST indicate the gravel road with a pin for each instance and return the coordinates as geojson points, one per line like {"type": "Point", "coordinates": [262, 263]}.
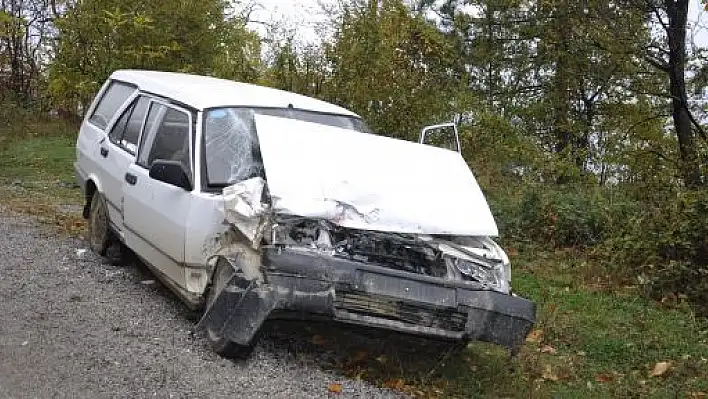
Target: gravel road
{"type": "Point", "coordinates": [72, 326]}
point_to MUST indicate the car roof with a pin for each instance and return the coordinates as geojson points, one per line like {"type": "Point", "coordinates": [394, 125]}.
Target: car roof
{"type": "Point", "coordinates": [202, 92]}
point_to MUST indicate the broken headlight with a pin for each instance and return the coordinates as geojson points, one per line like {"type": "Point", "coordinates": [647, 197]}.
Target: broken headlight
{"type": "Point", "coordinates": [487, 264]}
{"type": "Point", "coordinates": [486, 274]}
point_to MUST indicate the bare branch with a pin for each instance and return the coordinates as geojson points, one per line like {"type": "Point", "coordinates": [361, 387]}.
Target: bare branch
{"type": "Point", "coordinates": [658, 64]}
{"type": "Point", "coordinates": [697, 125]}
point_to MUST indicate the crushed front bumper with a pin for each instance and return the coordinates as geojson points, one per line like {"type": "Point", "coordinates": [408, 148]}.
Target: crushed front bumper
{"type": "Point", "coordinates": [307, 285]}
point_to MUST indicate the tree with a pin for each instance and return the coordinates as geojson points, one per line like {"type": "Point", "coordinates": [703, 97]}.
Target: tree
{"type": "Point", "coordinates": [667, 53]}
{"type": "Point", "coordinates": [395, 69]}
{"type": "Point", "coordinates": [553, 66]}
{"type": "Point", "coordinates": [25, 37]}
{"type": "Point", "coordinates": [97, 37]}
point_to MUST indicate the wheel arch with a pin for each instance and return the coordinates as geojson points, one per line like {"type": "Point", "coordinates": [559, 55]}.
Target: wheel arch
{"type": "Point", "coordinates": [91, 187]}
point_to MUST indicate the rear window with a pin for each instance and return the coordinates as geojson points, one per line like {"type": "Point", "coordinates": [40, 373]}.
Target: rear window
{"type": "Point", "coordinates": [114, 97]}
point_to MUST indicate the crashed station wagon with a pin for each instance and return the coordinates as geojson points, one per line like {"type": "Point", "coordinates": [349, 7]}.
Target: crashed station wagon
{"type": "Point", "coordinates": [254, 204]}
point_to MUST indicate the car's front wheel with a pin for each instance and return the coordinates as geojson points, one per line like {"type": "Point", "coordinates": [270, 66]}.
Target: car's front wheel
{"type": "Point", "coordinates": [219, 343]}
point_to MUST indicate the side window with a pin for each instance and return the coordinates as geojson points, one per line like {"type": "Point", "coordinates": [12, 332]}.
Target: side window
{"type": "Point", "coordinates": [132, 129]}
{"type": "Point", "coordinates": [166, 136]}
{"type": "Point", "coordinates": [116, 133]}
{"type": "Point", "coordinates": [115, 96]}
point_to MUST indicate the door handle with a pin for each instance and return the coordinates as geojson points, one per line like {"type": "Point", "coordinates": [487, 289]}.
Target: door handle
{"type": "Point", "coordinates": [104, 152]}
{"type": "Point", "coordinates": [131, 179]}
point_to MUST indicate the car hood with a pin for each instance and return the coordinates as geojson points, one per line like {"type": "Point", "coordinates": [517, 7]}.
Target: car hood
{"type": "Point", "coordinates": [369, 182]}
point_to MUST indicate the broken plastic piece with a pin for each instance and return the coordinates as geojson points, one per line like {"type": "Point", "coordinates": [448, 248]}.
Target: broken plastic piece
{"type": "Point", "coordinates": [244, 210]}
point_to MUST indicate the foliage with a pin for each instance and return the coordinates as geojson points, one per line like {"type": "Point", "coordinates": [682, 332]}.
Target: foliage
{"type": "Point", "coordinates": [97, 37]}
{"type": "Point", "coordinates": [565, 216]}
{"type": "Point", "coordinates": [393, 68]}
{"type": "Point", "coordinates": [25, 36]}
{"type": "Point", "coordinates": [559, 69]}
{"type": "Point", "coordinates": [666, 246]}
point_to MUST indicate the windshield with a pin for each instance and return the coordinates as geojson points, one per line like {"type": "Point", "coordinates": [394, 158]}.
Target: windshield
{"type": "Point", "coordinates": [231, 144]}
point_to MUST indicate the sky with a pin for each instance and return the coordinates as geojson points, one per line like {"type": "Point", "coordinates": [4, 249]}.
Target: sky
{"type": "Point", "coordinates": [305, 17]}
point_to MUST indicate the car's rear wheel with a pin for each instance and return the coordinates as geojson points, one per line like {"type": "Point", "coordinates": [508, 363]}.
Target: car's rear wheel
{"type": "Point", "coordinates": [219, 343]}
{"type": "Point", "coordinates": [99, 234]}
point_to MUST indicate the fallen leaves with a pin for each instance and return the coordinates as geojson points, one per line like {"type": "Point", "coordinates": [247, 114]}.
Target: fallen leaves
{"type": "Point", "coordinates": [535, 336]}
{"type": "Point", "coordinates": [660, 369]}
{"type": "Point", "coordinates": [604, 378]}
{"type": "Point", "coordinates": [549, 375]}
{"type": "Point", "coordinates": [397, 384]}
{"type": "Point", "coordinates": [335, 388]}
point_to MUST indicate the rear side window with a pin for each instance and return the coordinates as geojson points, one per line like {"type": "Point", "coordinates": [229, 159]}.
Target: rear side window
{"type": "Point", "coordinates": [114, 97]}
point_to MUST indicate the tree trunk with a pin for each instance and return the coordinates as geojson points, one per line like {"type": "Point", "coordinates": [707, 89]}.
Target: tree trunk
{"type": "Point", "coordinates": [677, 11]}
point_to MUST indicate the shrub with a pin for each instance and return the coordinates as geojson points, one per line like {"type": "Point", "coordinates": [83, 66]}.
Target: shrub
{"type": "Point", "coordinates": [665, 247]}
{"type": "Point", "coordinates": [560, 216]}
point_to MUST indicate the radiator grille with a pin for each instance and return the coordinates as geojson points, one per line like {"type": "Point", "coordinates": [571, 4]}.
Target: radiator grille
{"type": "Point", "coordinates": [393, 309]}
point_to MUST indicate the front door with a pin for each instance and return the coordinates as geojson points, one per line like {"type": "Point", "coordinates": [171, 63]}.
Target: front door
{"type": "Point", "coordinates": [155, 213]}
{"type": "Point", "coordinates": [444, 136]}
{"type": "Point", "coordinates": [119, 152]}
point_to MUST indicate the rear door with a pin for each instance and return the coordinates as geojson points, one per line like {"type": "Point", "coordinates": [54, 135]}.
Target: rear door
{"type": "Point", "coordinates": [93, 141]}
{"type": "Point", "coordinates": [155, 213]}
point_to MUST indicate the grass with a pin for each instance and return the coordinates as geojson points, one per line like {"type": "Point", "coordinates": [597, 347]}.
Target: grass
{"type": "Point", "coordinates": [36, 172]}
{"type": "Point", "coordinates": [593, 338]}
{"type": "Point", "coordinates": [588, 342]}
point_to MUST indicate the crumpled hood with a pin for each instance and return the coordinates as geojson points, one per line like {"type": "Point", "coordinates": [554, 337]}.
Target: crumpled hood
{"type": "Point", "coordinates": [370, 182]}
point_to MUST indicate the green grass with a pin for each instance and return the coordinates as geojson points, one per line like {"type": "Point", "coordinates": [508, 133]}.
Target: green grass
{"type": "Point", "coordinates": [36, 172]}
{"type": "Point", "coordinates": [39, 159]}
{"type": "Point", "coordinates": [605, 343]}
{"type": "Point", "coordinates": [595, 337]}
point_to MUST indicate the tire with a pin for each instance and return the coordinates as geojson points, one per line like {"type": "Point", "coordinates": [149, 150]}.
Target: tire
{"type": "Point", "coordinates": [102, 240]}
{"type": "Point", "coordinates": [99, 233]}
{"type": "Point", "coordinates": [220, 344]}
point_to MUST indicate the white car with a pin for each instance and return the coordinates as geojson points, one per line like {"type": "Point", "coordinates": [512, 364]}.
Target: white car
{"type": "Point", "coordinates": [253, 203]}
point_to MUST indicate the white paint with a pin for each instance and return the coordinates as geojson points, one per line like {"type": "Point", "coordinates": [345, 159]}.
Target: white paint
{"type": "Point", "coordinates": [203, 92]}
{"type": "Point", "coordinates": [370, 182]}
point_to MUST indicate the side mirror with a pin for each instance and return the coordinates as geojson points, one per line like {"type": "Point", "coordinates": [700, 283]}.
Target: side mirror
{"type": "Point", "coordinates": [171, 172]}
{"type": "Point", "coordinates": [444, 135]}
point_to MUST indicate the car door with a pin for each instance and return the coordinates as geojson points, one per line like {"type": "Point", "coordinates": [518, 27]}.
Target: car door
{"type": "Point", "coordinates": [155, 213]}
{"type": "Point", "coordinates": [443, 136]}
{"type": "Point", "coordinates": [119, 152]}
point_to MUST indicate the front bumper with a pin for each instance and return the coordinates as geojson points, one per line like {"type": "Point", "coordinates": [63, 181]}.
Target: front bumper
{"type": "Point", "coordinates": [308, 285]}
